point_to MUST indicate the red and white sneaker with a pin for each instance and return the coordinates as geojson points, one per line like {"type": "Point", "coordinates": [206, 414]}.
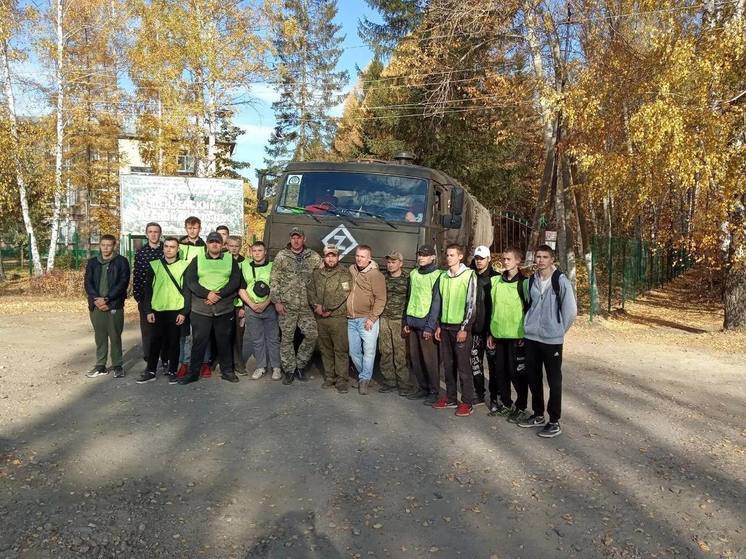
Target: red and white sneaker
{"type": "Point", "coordinates": [464, 410]}
{"type": "Point", "coordinates": [205, 371]}
{"type": "Point", "coordinates": [443, 403]}
{"type": "Point", "coordinates": [183, 370]}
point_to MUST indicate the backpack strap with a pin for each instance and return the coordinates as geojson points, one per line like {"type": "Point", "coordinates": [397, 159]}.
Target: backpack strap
{"type": "Point", "coordinates": [170, 275]}
{"type": "Point", "coordinates": [556, 288]}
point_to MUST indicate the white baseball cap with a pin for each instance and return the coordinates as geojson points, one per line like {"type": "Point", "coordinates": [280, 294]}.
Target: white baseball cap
{"type": "Point", "coordinates": [482, 251]}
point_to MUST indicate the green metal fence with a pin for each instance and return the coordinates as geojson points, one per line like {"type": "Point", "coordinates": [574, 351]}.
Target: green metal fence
{"type": "Point", "coordinates": [623, 269]}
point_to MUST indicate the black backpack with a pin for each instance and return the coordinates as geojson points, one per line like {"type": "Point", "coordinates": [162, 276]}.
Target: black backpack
{"type": "Point", "coordinates": [555, 287]}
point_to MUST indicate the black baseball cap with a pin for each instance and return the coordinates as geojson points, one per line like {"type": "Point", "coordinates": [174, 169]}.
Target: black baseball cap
{"type": "Point", "coordinates": [214, 237]}
{"type": "Point", "coordinates": [426, 250]}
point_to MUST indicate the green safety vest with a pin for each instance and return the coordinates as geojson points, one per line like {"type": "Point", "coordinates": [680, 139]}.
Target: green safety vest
{"type": "Point", "coordinates": [213, 274]}
{"type": "Point", "coordinates": [421, 292]}
{"type": "Point", "coordinates": [165, 295]}
{"type": "Point", "coordinates": [506, 321]}
{"type": "Point", "coordinates": [252, 275]}
{"type": "Point", "coordinates": [453, 293]}
{"type": "Point", "coordinates": [188, 251]}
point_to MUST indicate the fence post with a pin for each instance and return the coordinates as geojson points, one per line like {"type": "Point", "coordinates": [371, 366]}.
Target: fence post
{"type": "Point", "coordinates": [592, 279]}
{"type": "Point", "coordinates": [610, 269]}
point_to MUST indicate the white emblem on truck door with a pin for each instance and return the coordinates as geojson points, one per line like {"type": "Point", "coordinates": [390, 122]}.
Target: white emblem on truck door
{"type": "Point", "coordinates": [342, 238]}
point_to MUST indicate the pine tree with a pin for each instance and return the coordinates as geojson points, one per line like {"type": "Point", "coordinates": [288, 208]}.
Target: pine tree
{"type": "Point", "coordinates": [307, 43]}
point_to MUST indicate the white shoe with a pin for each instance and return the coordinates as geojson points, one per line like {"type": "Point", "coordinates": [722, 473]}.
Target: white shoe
{"type": "Point", "coordinates": [257, 374]}
{"type": "Point", "coordinates": [276, 374]}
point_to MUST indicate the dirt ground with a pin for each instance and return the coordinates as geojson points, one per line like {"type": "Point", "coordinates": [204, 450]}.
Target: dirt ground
{"type": "Point", "coordinates": [650, 464]}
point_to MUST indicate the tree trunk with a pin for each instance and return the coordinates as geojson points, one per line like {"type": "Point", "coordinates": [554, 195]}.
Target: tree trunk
{"type": "Point", "coordinates": [11, 107]}
{"type": "Point", "coordinates": [734, 296]}
{"type": "Point", "coordinates": [568, 205]}
{"type": "Point", "coordinates": [58, 146]}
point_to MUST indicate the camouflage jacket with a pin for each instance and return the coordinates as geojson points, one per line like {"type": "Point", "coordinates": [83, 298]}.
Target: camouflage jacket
{"type": "Point", "coordinates": [291, 274]}
{"type": "Point", "coordinates": [396, 295]}
{"type": "Point", "coordinates": [330, 289]}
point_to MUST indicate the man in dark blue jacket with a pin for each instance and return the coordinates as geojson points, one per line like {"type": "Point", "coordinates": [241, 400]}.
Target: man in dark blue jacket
{"type": "Point", "coordinates": [106, 279]}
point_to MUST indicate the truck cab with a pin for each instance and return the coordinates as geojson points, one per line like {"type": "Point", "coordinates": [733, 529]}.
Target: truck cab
{"type": "Point", "coordinates": [390, 206]}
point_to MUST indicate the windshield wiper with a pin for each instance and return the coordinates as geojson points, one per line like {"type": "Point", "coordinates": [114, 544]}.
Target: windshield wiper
{"type": "Point", "coordinates": [299, 210]}
{"type": "Point", "coordinates": [386, 221]}
{"type": "Point", "coordinates": [340, 213]}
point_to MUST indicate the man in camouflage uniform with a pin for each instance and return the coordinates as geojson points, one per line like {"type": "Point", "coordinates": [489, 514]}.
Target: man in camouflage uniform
{"type": "Point", "coordinates": [291, 274]}
{"type": "Point", "coordinates": [391, 344]}
{"type": "Point", "coordinates": [327, 295]}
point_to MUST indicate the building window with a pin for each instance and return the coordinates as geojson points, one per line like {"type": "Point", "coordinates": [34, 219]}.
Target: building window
{"type": "Point", "coordinates": [185, 163]}
{"type": "Point", "coordinates": [141, 170]}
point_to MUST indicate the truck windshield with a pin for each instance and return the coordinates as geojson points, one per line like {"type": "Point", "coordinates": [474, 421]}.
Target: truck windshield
{"type": "Point", "coordinates": [388, 197]}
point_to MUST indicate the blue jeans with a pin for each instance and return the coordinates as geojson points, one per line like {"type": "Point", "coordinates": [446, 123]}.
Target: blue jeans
{"type": "Point", "coordinates": [363, 345]}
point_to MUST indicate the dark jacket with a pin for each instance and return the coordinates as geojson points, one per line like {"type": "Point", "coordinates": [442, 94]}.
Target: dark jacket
{"type": "Point", "coordinates": [141, 268]}
{"type": "Point", "coordinates": [484, 301]}
{"type": "Point", "coordinates": [199, 294]}
{"type": "Point", "coordinates": [118, 279]}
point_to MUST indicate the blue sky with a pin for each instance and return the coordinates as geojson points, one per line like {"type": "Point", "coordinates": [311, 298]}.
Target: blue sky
{"type": "Point", "coordinates": [258, 120]}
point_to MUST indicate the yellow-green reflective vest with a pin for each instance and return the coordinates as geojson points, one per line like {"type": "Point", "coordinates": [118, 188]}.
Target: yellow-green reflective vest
{"type": "Point", "coordinates": [187, 251]}
{"type": "Point", "coordinates": [453, 293]}
{"type": "Point", "coordinates": [506, 321]}
{"type": "Point", "coordinates": [259, 273]}
{"type": "Point", "coordinates": [165, 295]}
{"type": "Point", "coordinates": [421, 292]}
{"type": "Point", "coordinates": [214, 274]}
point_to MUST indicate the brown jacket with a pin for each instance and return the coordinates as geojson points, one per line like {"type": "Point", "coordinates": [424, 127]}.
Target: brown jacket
{"type": "Point", "coordinates": [368, 296]}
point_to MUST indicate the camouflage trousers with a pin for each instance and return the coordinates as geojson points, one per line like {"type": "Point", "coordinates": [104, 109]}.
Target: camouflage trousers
{"type": "Point", "coordinates": [303, 320]}
{"type": "Point", "coordinates": [334, 349]}
{"type": "Point", "coordinates": [393, 350]}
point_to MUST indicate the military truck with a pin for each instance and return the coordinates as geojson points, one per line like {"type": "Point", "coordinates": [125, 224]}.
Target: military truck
{"type": "Point", "coordinates": [388, 205]}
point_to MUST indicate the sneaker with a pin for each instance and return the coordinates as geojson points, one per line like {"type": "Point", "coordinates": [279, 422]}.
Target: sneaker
{"type": "Point", "coordinates": [118, 372]}
{"type": "Point", "coordinates": [97, 371]}
{"type": "Point", "coordinates": [532, 421]}
{"type": "Point", "coordinates": [478, 400]}
{"type": "Point", "coordinates": [385, 387]}
{"type": "Point", "coordinates": [418, 394]}
{"type": "Point", "coordinates": [257, 374]}
{"type": "Point", "coordinates": [342, 388]}
{"type": "Point", "coordinates": [517, 416]}
{"type": "Point", "coordinates": [147, 376]}
{"type": "Point", "coordinates": [183, 371]}
{"type": "Point", "coordinates": [173, 379]}
{"type": "Point", "coordinates": [430, 399]}
{"type": "Point", "coordinates": [464, 410]}
{"type": "Point", "coordinates": [327, 384]}
{"type": "Point", "coordinates": [187, 380]}
{"type": "Point", "coordinates": [550, 430]}
{"type": "Point", "coordinates": [276, 373]}
{"type": "Point", "coordinates": [362, 387]}
{"type": "Point", "coordinates": [501, 411]}
{"type": "Point", "coordinates": [288, 377]}
{"type": "Point", "coordinates": [229, 376]}
{"type": "Point", "coordinates": [205, 371]}
{"type": "Point", "coordinates": [242, 372]}
{"type": "Point", "coordinates": [442, 404]}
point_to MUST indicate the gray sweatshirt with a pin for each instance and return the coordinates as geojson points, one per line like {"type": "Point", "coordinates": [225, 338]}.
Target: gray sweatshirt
{"type": "Point", "coordinates": [540, 323]}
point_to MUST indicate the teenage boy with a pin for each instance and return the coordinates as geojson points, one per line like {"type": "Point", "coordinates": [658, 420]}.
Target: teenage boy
{"type": "Point", "coordinates": [152, 250]}
{"type": "Point", "coordinates": [213, 279]}
{"type": "Point", "coordinates": [261, 316]}
{"type": "Point", "coordinates": [505, 339]}
{"type": "Point", "coordinates": [327, 295]}
{"type": "Point", "coordinates": [391, 344]}
{"type": "Point", "coordinates": [418, 326]}
{"type": "Point", "coordinates": [190, 245]}
{"type": "Point", "coordinates": [224, 234]}
{"type": "Point", "coordinates": [106, 279]}
{"type": "Point", "coordinates": [364, 307]}
{"type": "Point", "coordinates": [458, 297]}
{"type": "Point", "coordinates": [165, 308]}
{"type": "Point", "coordinates": [482, 266]}
{"type": "Point", "coordinates": [291, 273]}
{"type": "Point", "coordinates": [551, 311]}
{"type": "Point", "coordinates": [233, 246]}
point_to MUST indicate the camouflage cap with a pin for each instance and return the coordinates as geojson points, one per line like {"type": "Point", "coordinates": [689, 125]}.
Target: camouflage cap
{"type": "Point", "coordinates": [297, 231]}
{"type": "Point", "coordinates": [328, 249]}
{"type": "Point", "coordinates": [395, 255]}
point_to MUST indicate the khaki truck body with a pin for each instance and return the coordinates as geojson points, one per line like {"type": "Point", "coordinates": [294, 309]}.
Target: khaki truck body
{"type": "Point", "coordinates": [390, 206]}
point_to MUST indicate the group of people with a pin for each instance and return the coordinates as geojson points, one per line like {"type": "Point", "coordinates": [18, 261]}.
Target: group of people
{"type": "Point", "coordinates": [197, 299]}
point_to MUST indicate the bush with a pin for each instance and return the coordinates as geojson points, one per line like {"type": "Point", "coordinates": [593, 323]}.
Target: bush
{"type": "Point", "coordinates": [60, 283]}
